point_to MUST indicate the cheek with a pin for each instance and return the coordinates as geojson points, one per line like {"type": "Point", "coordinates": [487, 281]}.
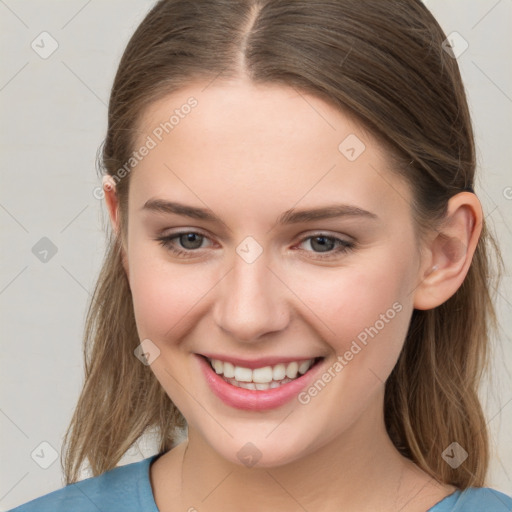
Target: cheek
{"type": "Point", "coordinates": [352, 299]}
{"type": "Point", "coordinates": [166, 295]}
{"type": "Point", "coordinates": [363, 311]}
{"type": "Point", "coordinates": [379, 328]}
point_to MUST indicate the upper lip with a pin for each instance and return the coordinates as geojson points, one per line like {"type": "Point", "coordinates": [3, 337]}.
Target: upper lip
{"type": "Point", "coordinates": [256, 363]}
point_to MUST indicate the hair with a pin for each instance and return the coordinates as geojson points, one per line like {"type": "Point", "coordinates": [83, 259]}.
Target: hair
{"type": "Point", "coordinates": [381, 62]}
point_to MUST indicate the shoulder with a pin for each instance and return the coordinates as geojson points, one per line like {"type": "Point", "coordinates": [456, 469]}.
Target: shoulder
{"type": "Point", "coordinates": [124, 488]}
{"type": "Point", "coordinates": [475, 499]}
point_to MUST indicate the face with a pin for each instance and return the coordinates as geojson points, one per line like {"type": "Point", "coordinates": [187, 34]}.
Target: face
{"type": "Point", "coordinates": [257, 283]}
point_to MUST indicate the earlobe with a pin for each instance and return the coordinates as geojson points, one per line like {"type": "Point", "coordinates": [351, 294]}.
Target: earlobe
{"type": "Point", "coordinates": [111, 200]}
{"type": "Point", "coordinates": [450, 252]}
{"type": "Point", "coordinates": [109, 188]}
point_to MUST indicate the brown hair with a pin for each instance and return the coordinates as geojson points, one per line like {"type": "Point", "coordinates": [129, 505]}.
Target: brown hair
{"type": "Point", "coordinates": [382, 62]}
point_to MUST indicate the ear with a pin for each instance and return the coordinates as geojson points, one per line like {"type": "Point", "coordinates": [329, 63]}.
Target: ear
{"type": "Point", "coordinates": [111, 200]}
{"type": "Point", "coordinates": [450, 251]}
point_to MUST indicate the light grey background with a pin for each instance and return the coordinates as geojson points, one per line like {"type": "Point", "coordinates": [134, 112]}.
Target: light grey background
{"type": "Point", "coordinates": [53, 115]}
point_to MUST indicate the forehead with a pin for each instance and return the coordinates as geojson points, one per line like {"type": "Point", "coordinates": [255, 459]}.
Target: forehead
{"type": "Point", "coordinates": [227, 112]}
{"type": "Point", "coordinates": [259, 143]}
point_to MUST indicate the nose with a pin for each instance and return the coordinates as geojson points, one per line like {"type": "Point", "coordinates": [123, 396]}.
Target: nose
{"type": "Point", "coordinates": [252, 300]}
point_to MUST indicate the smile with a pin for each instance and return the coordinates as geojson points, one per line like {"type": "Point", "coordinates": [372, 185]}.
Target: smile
{"type": "Point", "coordinates": [267, 377]}
{"type": "Point", "coordinates": [259, 388]}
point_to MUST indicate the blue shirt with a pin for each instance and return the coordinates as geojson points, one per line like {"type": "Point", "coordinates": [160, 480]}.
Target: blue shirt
{"type": "Point", "coordinates": [128, 489]}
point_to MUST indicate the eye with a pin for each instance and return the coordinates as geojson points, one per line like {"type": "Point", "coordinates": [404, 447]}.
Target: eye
{"type": "Point", "coordinates": [189, 240]}
{"type": "Point", "coordinates": [328, 246]}
{"type": "Point", "coordinates": [324, 246]}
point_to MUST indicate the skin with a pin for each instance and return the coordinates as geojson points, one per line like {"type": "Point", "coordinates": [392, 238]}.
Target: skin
{"type": "Point", "coordinates": [249, 153]}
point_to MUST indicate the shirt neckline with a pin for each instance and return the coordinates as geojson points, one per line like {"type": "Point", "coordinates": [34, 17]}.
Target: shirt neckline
{"type": "Point", "coordinates": [146, 491]}
{"type": "Point", "coordinates": [148, 496]}
{"type": "Point", "coordinates": [451, 499]}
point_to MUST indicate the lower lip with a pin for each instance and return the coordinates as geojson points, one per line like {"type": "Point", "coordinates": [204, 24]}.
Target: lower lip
{"type": "Point", "coordinates": [255, 400]}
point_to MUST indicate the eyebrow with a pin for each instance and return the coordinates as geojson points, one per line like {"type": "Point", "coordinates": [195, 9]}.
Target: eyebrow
{"type": "Point", "coordinates": [292, 216]}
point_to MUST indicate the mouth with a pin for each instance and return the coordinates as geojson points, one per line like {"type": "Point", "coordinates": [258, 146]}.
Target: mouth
{"type": "Point", "coordinates": [262, 387]}
{"type": "Point", "coordinates": [264, 377]}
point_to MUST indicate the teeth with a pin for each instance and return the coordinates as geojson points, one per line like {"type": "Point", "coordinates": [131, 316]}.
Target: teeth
{"type": "Point", "coordinates": [279, 372]}
{"type": "Point", "coordinates": [228, 370]}
{"type": "Point", "coordinates": [217, 365]}
{"type": "Point", "coordinates": [258, 386]}
{"type": "Point", "coordinates": [292, 370]}
{"type": "Point", "coordinates": [243, 374]}
{"type": "Point", "coordinates": [260, 377]}
{"type": "Point", "coordinates": [304, 367]}
{"type": "Point", "coordinates": [248, 385]}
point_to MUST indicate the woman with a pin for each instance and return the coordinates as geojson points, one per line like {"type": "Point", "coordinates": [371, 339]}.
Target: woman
{"type": "Point", "coordinates": [297, 270]}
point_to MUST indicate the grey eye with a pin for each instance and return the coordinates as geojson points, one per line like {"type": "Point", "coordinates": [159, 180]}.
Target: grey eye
{"type": "Point", "coordinates": [324, 243]}
{"type": "Point", "coordinates": [194, 239]}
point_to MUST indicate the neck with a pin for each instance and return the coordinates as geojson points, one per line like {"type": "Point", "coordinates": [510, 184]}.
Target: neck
{"type": "Point", "coordinates": [357, 471]}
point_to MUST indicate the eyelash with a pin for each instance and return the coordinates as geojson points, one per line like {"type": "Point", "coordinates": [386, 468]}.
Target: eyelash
{"type": "Point", "coordinates": [344, 246]}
